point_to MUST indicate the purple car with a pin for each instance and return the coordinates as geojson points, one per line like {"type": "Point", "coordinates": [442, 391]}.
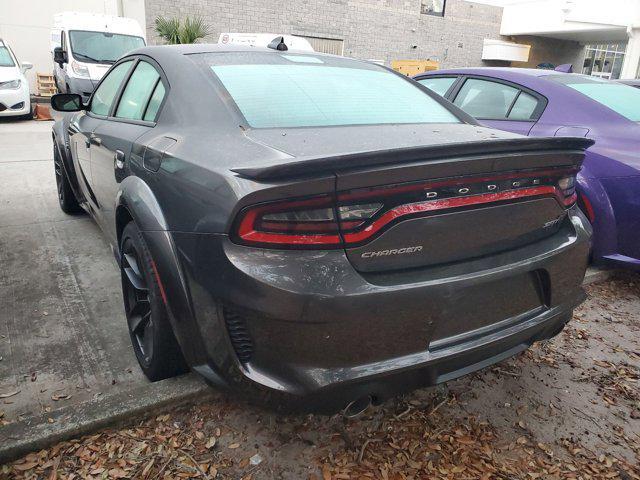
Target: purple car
{"type": "Point", "coordinates": [632, 83]}
{"type": "Point", "coordinates": [549, 103]}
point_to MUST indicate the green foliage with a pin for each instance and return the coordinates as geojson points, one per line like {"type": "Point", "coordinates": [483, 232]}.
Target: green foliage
{"type": "Point", "coordinates": [174, 32]}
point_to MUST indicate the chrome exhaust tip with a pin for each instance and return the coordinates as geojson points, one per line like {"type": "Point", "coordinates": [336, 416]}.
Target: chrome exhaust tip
{"type": "Point", "coordinates": [357, 407]}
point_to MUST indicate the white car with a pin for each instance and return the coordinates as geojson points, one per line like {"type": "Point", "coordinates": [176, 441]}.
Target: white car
{"type": "Point", "coordinates": [14, 87]}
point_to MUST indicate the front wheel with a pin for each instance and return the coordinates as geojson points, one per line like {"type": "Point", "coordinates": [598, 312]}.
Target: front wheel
{"type": "Point", "coordinates": [67, 199]}
{"type": "Point", "coordinates": [154, 343]}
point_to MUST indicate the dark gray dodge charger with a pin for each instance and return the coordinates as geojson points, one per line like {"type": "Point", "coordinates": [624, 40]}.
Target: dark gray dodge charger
{"type": "Point", "coordinates": [317, 231]}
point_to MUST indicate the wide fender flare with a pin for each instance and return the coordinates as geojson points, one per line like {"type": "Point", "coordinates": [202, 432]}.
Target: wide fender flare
{"type": "Point", "coordinates": [135, 200]}
{"type": "Point", "coordinates": [61, 143]}
{"type": "Point", "coordinates": [138, 199]}
{"type": "Point", "coordinates": [605, 232]}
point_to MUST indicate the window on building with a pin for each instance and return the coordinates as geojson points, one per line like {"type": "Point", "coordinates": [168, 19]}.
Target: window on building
{"type": "Point", "coordinates": [333, 46]}
{"type": "Point", "coordinates": [433, 7]}
{"type": "Point", "coordinates": [604, 60]}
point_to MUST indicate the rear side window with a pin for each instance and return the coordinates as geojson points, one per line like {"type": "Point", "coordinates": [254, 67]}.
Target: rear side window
{"type": "Point", "coordinates": [105, 94]}
{"type": "Point", "coordinates": [154, 103]}
{"type": "Point", "coordinates": [485, 99]}
{"type": "Point", "coordinates": [139, 89]}
{"type": "Point", "coordinates": [439, 85]}
{"type": "Point", "coordinates": [291, 90]}
{"type": "Point", "coordinates": [524, 107]}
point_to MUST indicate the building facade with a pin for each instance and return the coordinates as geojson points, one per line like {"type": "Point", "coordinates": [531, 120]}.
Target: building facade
{"type": "Point", "coordinates": [607, 33]}
{"type": "Point", "coordinates": [450, 32]}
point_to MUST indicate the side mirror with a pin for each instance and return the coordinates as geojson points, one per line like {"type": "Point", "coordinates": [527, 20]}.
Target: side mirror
{"type": "Point", "coordinates": [67, 102]}
{"type": "Point", "coordinates": [26, 66]}
{"type": "Point", "coordinates": [59, 56]}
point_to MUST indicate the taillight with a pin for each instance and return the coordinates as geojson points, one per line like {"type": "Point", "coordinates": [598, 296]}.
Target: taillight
{"type": "Point", "coordinates": [302, 223]}
{"type": "Point", "coordinates": [357, 216]}
{"type": "Point", "coordinates": [567, 187]}
{"type": "Point", "coordinates": [585, 205]}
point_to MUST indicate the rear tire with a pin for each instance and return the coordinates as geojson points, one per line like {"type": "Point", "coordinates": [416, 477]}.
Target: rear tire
{"type": "Point", "coordinates": [67, 199]}
{"type": "Point", "coordinates": [154, 343]}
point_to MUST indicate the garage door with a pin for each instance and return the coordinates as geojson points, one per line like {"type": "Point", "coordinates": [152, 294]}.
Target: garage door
{"type": "Point", "coordinates": [326, 45]}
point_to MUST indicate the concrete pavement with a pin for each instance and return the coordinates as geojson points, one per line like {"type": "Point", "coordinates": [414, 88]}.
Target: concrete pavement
{"type": "Point", "coordinates": [65, 356]}
{"type": "Point", "coordinates": [66, 364]}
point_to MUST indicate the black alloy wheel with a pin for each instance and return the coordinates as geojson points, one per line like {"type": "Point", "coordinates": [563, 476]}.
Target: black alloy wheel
{"type": "Point", "coordinates": [152, 337]}
{"type": "Point", "coordinates": [138, 308]}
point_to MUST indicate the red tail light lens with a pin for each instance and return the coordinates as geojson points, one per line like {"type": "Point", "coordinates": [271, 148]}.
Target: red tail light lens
{"type": "Point", "coordinates": [587, 208]}
{"type": "Point", "coordinates": [300, 223]}
{"type": "Point", "coordinates": [357, 216]}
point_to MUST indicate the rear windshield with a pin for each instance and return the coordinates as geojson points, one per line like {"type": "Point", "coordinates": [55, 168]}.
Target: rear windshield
{"type": "Point", "coordinates": [294, 90]}
{"type": "Point", "coordinates": [5, 58]}
{"type": "Point", "coordinates": [622, 99]}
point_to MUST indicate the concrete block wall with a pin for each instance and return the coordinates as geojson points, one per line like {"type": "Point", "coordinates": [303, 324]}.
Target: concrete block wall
{"type": "Point", "coordinates": [383, 30]}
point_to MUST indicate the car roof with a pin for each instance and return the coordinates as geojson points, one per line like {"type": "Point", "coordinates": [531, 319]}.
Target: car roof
{"type": "Point", "coordinates": [631, 81]}
{"type": "Point", "coordinates": [498, 71]}
{"type": "Point", "coordinates": [194, 48]}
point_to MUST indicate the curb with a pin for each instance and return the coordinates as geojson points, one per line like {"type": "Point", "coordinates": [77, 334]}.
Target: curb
{"type": "Point", "coordinates": [41, 431]}
{"type": "Point", "coordinates": [597, 275]}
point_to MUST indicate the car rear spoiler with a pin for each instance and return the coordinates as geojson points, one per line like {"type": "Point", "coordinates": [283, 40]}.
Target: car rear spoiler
{"type": "Point", "coordinates": [347, 161]}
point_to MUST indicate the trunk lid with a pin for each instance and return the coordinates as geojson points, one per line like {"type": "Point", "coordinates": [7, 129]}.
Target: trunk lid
{"type": "Point", "coordinates": [454, 209]}
{"type": "Point", "coordinates": [410, 196]}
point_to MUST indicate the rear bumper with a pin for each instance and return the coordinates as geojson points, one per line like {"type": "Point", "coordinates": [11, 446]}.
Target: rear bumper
{"type": "Point", "coordinates": [307, 324]}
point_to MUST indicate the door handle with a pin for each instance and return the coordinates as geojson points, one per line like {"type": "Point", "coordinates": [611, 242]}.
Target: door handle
{"type": "Point", "coordinates": [119, 160]}
{"type": "Point", "coordinates": [93, 140]}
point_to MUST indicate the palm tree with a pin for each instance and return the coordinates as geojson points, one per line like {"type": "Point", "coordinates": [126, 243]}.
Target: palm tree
{"type": "Point", "coordinates": [174, 32]}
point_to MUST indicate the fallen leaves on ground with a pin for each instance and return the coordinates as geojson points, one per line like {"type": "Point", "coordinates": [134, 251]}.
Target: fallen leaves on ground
{"type": "Point", "coordinates": [422, 444]}
{"type": "Point", "coordinates": [425, 435]}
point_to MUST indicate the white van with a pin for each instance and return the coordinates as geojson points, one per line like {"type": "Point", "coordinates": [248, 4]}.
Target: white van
{"type": "Point", "coordinates": [85, 45]}
{"type": "Point", "coordinates": [263, 39]}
